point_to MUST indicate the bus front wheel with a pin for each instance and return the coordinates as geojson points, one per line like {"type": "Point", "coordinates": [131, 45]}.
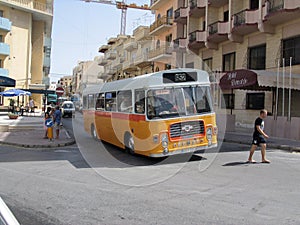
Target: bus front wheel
{"type": "Point", "coordinates": [129, 144]}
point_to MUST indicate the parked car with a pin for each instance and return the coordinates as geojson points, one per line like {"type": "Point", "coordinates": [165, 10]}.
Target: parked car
{"type": "Point", "coordinates": [68, 109]}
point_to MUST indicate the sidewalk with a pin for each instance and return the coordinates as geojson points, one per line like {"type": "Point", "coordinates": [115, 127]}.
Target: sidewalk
{"type": "Point", "coordinates": [244, 136]}
{"type": "Point", "coordinates": [28, 132]}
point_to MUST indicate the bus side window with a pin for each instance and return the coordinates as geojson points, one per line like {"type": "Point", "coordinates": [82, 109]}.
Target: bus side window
{"type": "Point", "coordinates": [124, 100]}
{"type": "Point", "coordinates": [100, 102]}
{"type": "Point", "coordinates": [91, 101]}
{"type": "Point", "coordinates": [110, 101]}
{"type": "Point", "coordinates": [85, 102]}
{"type": "Point", "coordinates": [139, 102]}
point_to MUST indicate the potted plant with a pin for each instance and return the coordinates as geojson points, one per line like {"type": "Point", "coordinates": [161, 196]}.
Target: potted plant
{"type": "Point", "coordinates": [13, 115]}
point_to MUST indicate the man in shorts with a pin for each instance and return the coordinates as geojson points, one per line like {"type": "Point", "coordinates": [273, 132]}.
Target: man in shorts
{"type": "Point", "coordinates": [259, 138]}
{"type": "Point", "coordinates": [56, 120]}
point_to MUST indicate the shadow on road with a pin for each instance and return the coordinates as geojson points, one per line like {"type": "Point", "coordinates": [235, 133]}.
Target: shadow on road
{"type": "Point", "coordinates": [236, 163]}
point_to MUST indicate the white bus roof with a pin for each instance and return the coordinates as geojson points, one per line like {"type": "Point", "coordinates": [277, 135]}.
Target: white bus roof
{"type": "Point", "coordinates": [147, 81]}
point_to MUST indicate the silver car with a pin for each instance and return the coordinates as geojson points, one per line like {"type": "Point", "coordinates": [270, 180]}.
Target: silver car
{"type": "Point", "coordinates": [68, 109]}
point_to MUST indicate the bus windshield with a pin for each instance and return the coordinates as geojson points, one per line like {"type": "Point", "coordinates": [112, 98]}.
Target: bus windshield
{"type": "Point", "coordinates": [177, 102]}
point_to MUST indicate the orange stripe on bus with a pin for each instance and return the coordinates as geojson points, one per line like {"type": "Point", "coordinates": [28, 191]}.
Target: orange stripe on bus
{"type": "Point", "coordinates": [124, 116]}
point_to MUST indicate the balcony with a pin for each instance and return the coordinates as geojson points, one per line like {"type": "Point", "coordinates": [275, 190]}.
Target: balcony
{"type": "Point", "coordinates": [141, 33]}
{"type": "Point", "coordinates": [180, 44]}
{"type": "Point", "coordinates": [157, 4]}
{"type": "Point", "coordinates": [4, 49]}
{"type": "Point", "coordinates": [4, 72]}
{"type": "Point", "coordinates": [111, 71]}
{"type": "Point", "coordinates": [161, 25]}
{"type": "Point", "coordinates": [181, 15]}
{"type": "Point", "coordinates": [103, 75]}
{"type": "Point", "coordinates": [243, 23]}
{"type": "Point", "coordinates": [47, 61]}
{"type": "Point", "coordinates": [102, 61]}
{"type": "Point", "coordinates": [5, 24]}
{"type": "Point", "coordinates": [111, 55]}
{"type": "Point", "coordinates": [197, 40]}
{"type": "Point", "coordinates": [31, 5]}
{"type": "Point", "coordinates": [217, 3]}
{"type": "Point", "coordinates": [197, 8]}
{"type": "Point", "coordinates": [142, 60]}
{"type": "Point", "coordinates": [161, 54]}
{"type": "Point", "coordinates": [278, 12]}
{"type": "Point", "coordinates": [129, 66]}
{"type": "Point", "coordinates": [111, 41]}
{"type": "Point", "coordinates": [218, 32]}
{"type": "Point", "coordinates": [103, 48]}
{"type": "Point", "coordinates": [130, 46]}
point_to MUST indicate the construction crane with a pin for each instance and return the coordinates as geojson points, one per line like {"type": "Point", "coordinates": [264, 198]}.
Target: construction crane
{"type": "Point", "coordinates": [123, 6]}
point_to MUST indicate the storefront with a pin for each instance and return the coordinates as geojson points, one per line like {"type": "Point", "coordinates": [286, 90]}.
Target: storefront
{"type": "Point", "coordinates": [245, 92]}
{"type": "Point", "coordinates": [257, 89]}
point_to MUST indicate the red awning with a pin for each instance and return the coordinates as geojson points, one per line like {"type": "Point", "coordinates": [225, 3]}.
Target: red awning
{"type": "Point", "coordinates": [238, 79]}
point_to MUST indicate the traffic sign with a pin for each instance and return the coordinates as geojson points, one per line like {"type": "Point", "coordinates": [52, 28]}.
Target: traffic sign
{"type": "Point", "coordinates": [59, 91]}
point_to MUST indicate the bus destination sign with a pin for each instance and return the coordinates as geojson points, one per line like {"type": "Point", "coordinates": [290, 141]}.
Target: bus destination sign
{"type": "Point", "coordinates": [179, 77]}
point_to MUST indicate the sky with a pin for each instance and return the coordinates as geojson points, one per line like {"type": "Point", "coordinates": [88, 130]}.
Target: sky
{"type": "Point", "coordinates": [80, 28]}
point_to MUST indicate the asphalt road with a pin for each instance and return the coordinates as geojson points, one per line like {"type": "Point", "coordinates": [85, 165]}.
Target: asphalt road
{"type": "Point", "coordinates": [96, 183]}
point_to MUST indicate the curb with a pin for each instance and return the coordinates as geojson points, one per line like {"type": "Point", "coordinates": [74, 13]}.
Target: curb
{"type": "Point", "coordinates": [38, 146]}
{"type": "Point", "coordinates": [50, 145]}
{"type": "Point", "coordinates": [277, 146]}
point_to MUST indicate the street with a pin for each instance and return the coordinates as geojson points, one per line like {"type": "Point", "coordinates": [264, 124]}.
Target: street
{"type": "Point", "coordinates": [96, 183]}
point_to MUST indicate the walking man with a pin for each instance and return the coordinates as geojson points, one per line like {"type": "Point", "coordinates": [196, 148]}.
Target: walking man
{"type": "Point", "coordinates": [259, 138]}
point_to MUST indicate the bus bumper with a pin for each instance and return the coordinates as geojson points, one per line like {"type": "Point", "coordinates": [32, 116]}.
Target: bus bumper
{"type": "Point", "coordinates": [183, 151]}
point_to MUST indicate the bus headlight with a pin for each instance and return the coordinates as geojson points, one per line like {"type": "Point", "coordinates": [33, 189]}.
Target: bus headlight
{"type": "Point", "coordinates": [209, 133]}
{"type": "Point", "coordinates": [164, 140]}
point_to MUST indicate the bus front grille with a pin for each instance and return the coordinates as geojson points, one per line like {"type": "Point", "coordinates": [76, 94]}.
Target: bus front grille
{"type": "Point", "coordinates": [187, 129]}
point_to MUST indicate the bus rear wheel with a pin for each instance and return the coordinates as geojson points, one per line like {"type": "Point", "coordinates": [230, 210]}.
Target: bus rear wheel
{"type": "Point", "coordinates": [129, 144]}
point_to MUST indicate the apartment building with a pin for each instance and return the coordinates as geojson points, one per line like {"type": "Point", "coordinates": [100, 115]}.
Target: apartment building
{"type": "Point", "coordinates": [163, 30]}
{"type": "Point", "coordinates": [66, 83]}
{"type": "Point", "coordinates": [244, 44]}
{"type": "Point", "coordinates": [25, 44]}
{"type": "Point", "coordinates": [84, 74]}
{"type": "Point", "coordinates": [126, 55]}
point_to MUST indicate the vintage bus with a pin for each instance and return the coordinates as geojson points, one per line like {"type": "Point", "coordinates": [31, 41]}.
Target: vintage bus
{"type": "Point", "coordinates": [159, 114]}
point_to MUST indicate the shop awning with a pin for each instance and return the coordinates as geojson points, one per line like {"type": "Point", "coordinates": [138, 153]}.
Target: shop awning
{"type": "Point", "coordinates": [7, 82]}
{"type": "Point", "coordinates": [257, 79]}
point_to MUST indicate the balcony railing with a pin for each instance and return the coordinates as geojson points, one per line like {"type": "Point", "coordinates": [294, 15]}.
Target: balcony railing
{"type": "Point", "coordinates": [31, 4]}
{"type": "Point", "coordinates": [142, 57]}
{"type": "Point", "coordinates": [160, 22]}
{"type": "Point", "coordinates": [213, 28]}
{"type": "Point", "coordinates": [192, 36]}
{"type": "Point", "coordinates": [181, 14]}
{"type": "Point", "coordinates": [4, 49]}
{"type": "Point", "coordinates": [180, 43]}
{"type": "Point", "coordinates": [193, 4]}
{"type": "Point", "coordinates": [5, 24]}
{"type": "Point", "coordinates": [197, 36]}
{"type": "Point", "coordinates": [162, 50]}
{"type": "Point", "coordinates": [111, 55]}
{"type": "Point", "coordinates": [275, 5]}
{"type": "Point", "coordinates": [240, 18]}
{"type": "Point", "coordinates": [4, 72]}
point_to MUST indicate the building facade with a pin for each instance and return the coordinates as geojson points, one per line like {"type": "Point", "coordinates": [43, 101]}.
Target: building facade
{"type": "Point", "coordinates": [233, 37]}
{"type": "Point", "coordinates": [66, 83]}
{"type": "Point", "coordinates": [249, 47]}
{"type": "Point", "coordinates": [163, 31]}
{"type": "Point", "coordinates": [25, 43]}
{"type": "Point", "coordinates": [127, 56]}
{"type": "Point", "coordinates": [85, 73]}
